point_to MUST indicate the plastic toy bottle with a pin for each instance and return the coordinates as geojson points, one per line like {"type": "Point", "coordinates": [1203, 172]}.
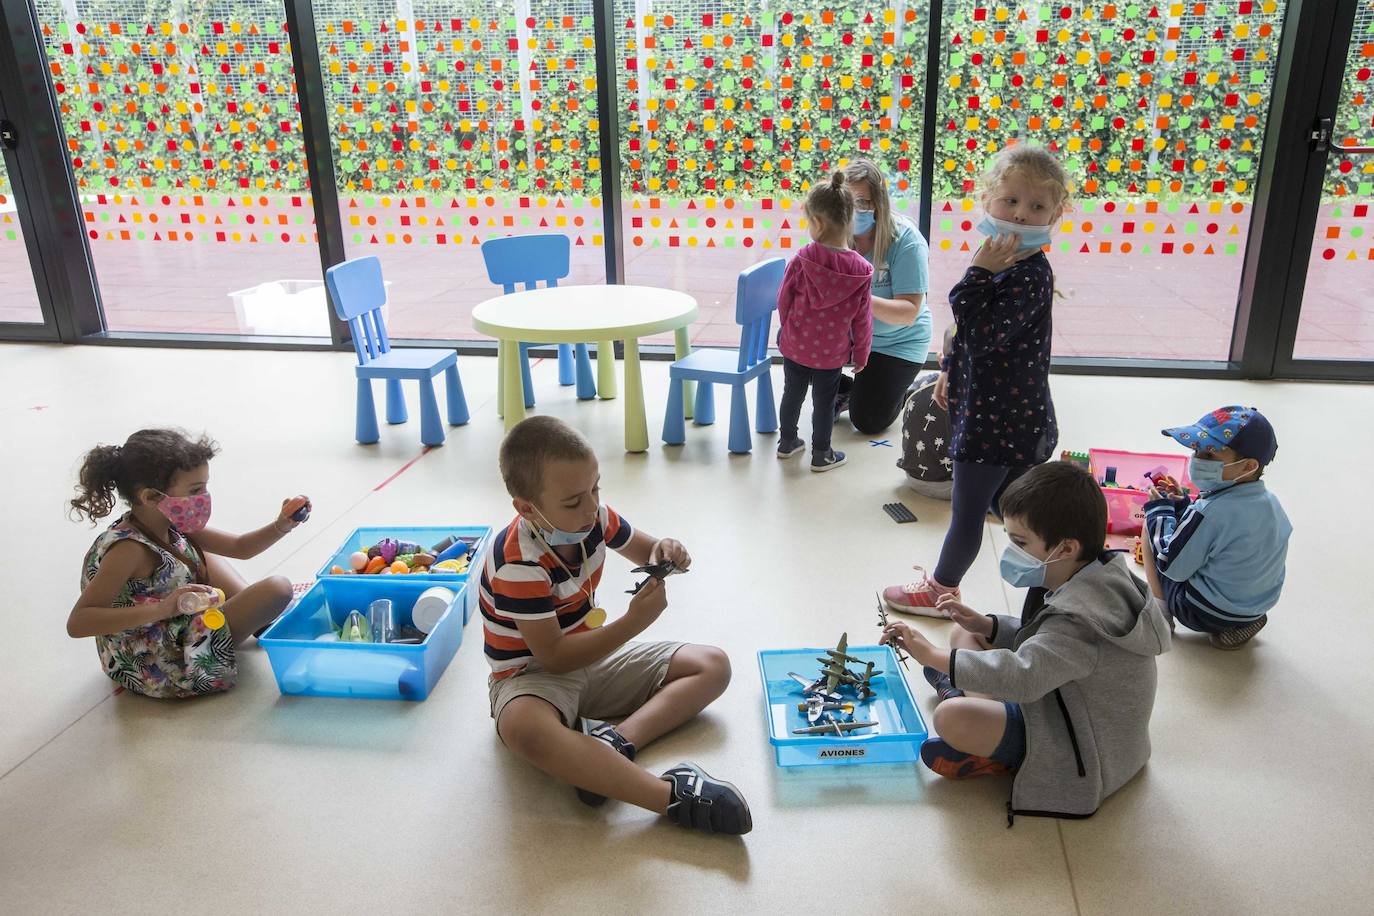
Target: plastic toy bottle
{"type": "Point", "coordinates": [208, 605]}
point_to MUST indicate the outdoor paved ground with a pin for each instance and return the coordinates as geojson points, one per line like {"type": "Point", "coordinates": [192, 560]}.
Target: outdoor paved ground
{"type": "Point", "coordinates": [1115, 303]}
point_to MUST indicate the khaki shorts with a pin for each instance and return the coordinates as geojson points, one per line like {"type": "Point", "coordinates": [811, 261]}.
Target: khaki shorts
{"type": "Point", "coordinates": [609, 689]}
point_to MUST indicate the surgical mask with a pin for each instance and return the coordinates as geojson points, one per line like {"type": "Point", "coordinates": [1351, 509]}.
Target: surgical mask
{"type": "Point", "coordinates": [863, 222]}
{"type": "Point", "coordinates": [1031, 236]}
{"type": "Point", "coordinates": [188, 514]}
{"type": "Point", "coordinates": [1207, 474]}
{"type": "Point", "coordinates": [1021, 570]}
{"type": "Point", "coordinates": [557, 537]}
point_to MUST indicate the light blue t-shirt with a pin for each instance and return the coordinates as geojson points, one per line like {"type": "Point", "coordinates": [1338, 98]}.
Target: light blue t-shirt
{"type": "Point", "coordinates": [908, 271]}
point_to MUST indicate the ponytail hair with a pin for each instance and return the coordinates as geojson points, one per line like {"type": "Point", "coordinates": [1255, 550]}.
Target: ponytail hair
{"type": "Point", "coordinates": [148, 459]}
{"type": "Point", "coordinates": [831, 201]}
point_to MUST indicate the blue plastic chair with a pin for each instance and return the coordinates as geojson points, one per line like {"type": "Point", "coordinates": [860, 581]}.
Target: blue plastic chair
{"type": "Point", "coordinates": [356, 289]}
{"type": "Point", "coordinates": [756, 296]}
{"type": "Point", "coordinates": [529, 259]}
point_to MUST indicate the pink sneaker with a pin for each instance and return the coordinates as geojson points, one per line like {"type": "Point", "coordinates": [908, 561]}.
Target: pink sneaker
{"type": "Point", "coordinates": [917, 597]}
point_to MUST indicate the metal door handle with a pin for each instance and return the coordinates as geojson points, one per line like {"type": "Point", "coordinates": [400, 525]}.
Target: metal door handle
{"type": "Point", "coordinates": [9, 134]}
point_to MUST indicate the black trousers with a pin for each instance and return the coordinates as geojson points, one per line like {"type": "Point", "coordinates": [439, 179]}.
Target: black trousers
{"type": "Point", "coordinates": [876, 394]}
{"type": "Point", "coordinates": [823, 383]}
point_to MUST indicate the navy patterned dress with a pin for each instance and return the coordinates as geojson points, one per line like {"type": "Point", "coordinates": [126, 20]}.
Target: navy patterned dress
{"type": "Point", "coordinates": [999, 366]}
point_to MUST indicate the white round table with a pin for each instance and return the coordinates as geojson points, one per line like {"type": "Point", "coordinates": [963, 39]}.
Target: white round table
{"type": "Point", "coordinates": [584, 314]}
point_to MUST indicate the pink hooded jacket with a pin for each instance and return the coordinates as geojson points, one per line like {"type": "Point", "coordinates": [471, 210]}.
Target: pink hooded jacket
{"type": "Point", "coordinates": [825, 308]}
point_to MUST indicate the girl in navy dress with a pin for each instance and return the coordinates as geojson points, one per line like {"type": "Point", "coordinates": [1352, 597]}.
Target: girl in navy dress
{"type": "Point", "coordinates": [995, 375]}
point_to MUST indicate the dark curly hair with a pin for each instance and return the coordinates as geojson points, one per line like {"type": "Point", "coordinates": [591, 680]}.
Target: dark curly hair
{"type": "Point", "coordinates": [148, 458]}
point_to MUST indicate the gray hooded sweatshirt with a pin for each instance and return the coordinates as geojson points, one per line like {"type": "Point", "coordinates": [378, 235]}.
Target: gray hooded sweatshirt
{"type": "Point", "coordinates": [1082, 666]}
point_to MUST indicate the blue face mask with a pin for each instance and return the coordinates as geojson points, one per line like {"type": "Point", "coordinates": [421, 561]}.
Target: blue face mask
{"type": "Point", "coordinates": [1021, 570]}
{"type": "Point", "coordinates": [1031, 236]}
{"type": "Point", "coordinates": [557, 537]}
{"type": "Point", "coordinates": [1207, 474]}
{"type": "Point", "coordinates": [863, 222]}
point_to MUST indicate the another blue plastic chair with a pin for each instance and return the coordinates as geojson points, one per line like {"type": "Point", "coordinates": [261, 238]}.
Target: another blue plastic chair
{"type": "Point", "coordinates": [356, 289]}
{"type": "Point", "coordinates": [528, 259]}
{"type": "Point", "coordinates": [756, 296]}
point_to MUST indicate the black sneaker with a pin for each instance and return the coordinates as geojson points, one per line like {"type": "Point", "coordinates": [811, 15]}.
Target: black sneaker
{"type": "Point", "coordinates": [841, 404]}
{"type": "Point", "coordinates": [827, 462]}
{"type": "Point", "coordinates": [705, 803]}
{"type": "Point", "coordinates": [1236, 637]}
{"type": "Point", "coordinates": [789, 447]}
{"type": "Point", "coordinates": [603, 731]}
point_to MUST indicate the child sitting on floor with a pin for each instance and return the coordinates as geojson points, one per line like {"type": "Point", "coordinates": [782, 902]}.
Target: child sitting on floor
{"type": "Point", "coordinates": [1062, 696]}
{"type": "Point", "coordinates": [136, 572]}
{"type": "Point", "coordinates": [557, 671]}
{"type": "Point", "coordinates": [1217, 562]}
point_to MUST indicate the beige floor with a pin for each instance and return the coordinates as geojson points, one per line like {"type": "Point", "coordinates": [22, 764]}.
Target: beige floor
{"type": "Point", "coordinates": [1257, 799]}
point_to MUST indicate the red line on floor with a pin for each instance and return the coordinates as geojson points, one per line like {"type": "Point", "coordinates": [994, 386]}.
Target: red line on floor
{"type": "Point", "coordinates": [405, 467]}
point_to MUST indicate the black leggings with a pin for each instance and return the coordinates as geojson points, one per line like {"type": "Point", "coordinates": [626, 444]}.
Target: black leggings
{"type": "Point", "coordinates": [876, 394]}
{"type": "Point", "coordinates": [823, 383]}
{"type": "Point", "coordinates": [977, 488]}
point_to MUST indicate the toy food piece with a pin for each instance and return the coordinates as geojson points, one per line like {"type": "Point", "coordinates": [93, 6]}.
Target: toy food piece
{"type": "Point", "coordinates": [388, 548]}
{"type": "Point", "coordinates": [355, 628]}
{"type": "Point", "coordinates": [374, 565]}
{"type": "Point", "coordinates": [422, 559]}
{"type": "Point", "coordinates": [337, 570]}
{"type": "Point", "coordinates": [596, 617]}
{"type": "Point", "coordinates": [299, 509]}
{"type": "Point", "coordinates": [451, 566]}
{"type": "Point", "coordinates": [453, 551]}
{"type": "Point", "coordinates": [399, 568]}
{"type": "Point", "coordinates": [430, 608]}
{"type": "Point", "coordinates": [358, 560]}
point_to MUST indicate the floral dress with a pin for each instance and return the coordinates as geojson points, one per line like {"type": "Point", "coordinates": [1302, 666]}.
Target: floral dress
{"type": "Point", "coordinates": [175, 657]}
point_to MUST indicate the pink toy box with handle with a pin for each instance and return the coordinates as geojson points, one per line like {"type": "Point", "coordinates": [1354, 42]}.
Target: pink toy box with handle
{"type": "Point", "coordinates": [1125, 485]}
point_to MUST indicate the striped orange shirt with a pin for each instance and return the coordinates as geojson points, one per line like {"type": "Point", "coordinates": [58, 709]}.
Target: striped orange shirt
{"type": "Point", "coordinates": [523, 580]}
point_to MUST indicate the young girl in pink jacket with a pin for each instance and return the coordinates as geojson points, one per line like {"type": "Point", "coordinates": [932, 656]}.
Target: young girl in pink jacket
{"type": "Point", "coordinates": [826, 318]}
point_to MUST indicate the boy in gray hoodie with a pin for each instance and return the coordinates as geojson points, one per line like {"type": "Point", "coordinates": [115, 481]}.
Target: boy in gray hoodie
{"type": "Point", "coordinates": [1062, 696]}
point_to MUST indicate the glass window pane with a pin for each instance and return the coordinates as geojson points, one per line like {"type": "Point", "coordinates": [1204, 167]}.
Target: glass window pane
{"type": "Point", "coordinates": [453, 123]}
{"type": "Point", "coordinates": [730, 110]}
{"type": "Point", "coordinates": [21, 296]}
{"type": "Point", "coordinates": [182, 124]}
{"type": "Point", "coordinates": [1158, 112]}
{"type": "Point", "coordinates": [1337, 320]}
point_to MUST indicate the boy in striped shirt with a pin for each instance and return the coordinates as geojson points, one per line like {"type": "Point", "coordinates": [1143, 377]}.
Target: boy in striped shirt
{"type": "Point", "coordinates": [558, 668]}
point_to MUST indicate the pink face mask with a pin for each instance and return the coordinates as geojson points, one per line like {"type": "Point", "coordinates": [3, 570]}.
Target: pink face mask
{"type": "Point", "coordinates": [188, 513]}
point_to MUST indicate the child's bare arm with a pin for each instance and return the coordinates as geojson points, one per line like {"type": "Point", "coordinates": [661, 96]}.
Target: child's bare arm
{"type": "Point", "coordinates": [559, 653]}
{"type": "Point", "coordinates": [250, 544]}
{"type": "Point", "coordinates": [94, 615]}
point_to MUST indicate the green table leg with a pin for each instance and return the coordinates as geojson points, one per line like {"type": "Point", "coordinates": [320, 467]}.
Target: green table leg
{"type": "Point", "coordinates": [689, 389]}
{"type": "Point", "coordinates": [500, 378]}
{"type": "Point", "coordinates": [605, 369]}
{"type": "Point", "coordinates": [636, 426]}
{"type": "Point", "coordinates": [513, 390]}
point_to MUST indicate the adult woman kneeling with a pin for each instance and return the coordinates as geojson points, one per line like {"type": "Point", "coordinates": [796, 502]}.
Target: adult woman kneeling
{"type": "Point", "coordinates": [901, 321]}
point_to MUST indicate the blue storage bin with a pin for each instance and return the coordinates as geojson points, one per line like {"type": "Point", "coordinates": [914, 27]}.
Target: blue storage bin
{"type": "Point", "coordinates": [425, 537]}
{"type": "Point", "coordinates": [896, 738]}
{"type": "Point", "coordinates": [382, 671]}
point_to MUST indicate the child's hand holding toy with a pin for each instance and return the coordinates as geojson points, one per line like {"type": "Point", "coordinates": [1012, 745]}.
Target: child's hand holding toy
{"type": "Point", "coordinates": [672, 551]}
{"type": "Point", "coordinates": [294, 512]}
{"type": "Point", "coordinates": [973, 621]}
{"type": "Point", "coordinates": [910, 639]}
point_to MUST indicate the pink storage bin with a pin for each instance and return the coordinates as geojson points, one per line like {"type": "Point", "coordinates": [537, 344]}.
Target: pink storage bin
{"type": "Point", "coordinates": [1126, 507]}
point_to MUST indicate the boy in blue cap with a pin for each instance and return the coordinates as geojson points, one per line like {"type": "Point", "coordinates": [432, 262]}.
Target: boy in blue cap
{"type": "Point", "coordinates": [1217, 561]}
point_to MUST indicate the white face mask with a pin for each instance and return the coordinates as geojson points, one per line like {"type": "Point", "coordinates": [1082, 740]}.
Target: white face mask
{"type": "Point", "coordinates": [1031, 236]}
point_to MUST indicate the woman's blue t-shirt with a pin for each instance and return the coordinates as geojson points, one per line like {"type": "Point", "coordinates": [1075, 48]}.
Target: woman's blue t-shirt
{"type": "Point", "coordinates": [908, 272]}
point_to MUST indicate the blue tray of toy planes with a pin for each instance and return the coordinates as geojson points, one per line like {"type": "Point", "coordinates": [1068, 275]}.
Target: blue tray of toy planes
{"type": "Point", "coordinates": [852, 718]}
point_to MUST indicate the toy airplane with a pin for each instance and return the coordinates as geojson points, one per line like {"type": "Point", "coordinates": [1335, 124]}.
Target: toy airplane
{"type": "Point", "coordinates": [883, 622]}
{"type": "Point", "coordinates": [834, 675]}
{"type": "Point", "coordinates": [839, 728]}
{"type": "Point", "coordinates": [660, 571]}
{"type": "Point", "coordinates": [815, 707]}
